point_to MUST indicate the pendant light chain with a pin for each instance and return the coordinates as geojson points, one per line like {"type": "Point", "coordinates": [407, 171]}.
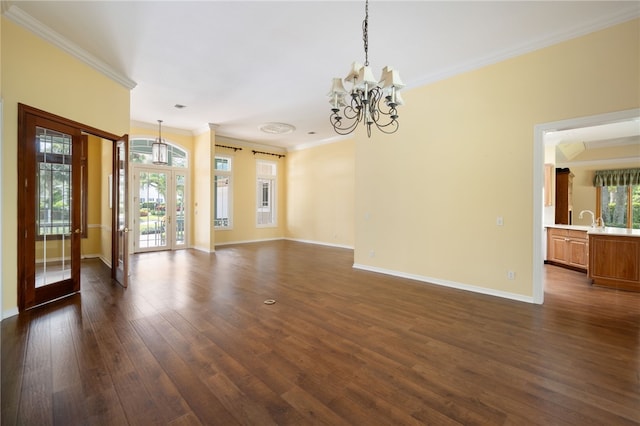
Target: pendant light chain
{"type": "Point", "coordinates": [365, 34]}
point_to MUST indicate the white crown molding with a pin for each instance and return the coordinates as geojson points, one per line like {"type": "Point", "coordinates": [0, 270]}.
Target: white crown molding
{"type": "Point", "coordinates": [308, 145]}
{"type": "Point", "coordinates": [154, 126]}
{"type": "Point", "coordinates": [20, 17]}
{"type": "Point", "coordinates": [610, 161]}
{"type": "Point", "coordinates": [606, 21]}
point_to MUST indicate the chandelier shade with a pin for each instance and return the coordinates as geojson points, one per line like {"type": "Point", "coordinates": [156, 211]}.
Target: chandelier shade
{"type": "Point", "coordinates": [370, 100]}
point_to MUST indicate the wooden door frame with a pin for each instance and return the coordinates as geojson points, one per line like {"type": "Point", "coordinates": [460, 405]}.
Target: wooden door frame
{"type": "Point", "coordinates": [23, 111]}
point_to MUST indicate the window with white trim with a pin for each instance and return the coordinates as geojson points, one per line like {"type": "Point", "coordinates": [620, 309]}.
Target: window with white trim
{"type": "Point", "coordinates": [224, 192]}
{"type": "Point", "coordinates": [266, 201]}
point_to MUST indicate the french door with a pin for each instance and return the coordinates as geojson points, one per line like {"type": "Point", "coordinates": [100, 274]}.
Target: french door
{"type": "Point", "coordinates": [159, 208]}
{"type": "Point", "coordinates": [120, 216]}
{"type": "Point", "coordinates": [49, 161]}
{"type": "Point", "coordinates": [52, 175]}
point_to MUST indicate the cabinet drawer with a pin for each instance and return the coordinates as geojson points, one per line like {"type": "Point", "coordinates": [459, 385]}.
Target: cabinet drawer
{"type": "Point", "coordinates": [577, 234]}
{"type": "Point", "coordinates": [557, 232]}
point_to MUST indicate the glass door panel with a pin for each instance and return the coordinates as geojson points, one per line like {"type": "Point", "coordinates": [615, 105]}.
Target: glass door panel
{"type": "Point", "coordinates": [120, 248]}
{"type": "Point", "coordinates": [53, 226]}
{"type": "Point", "coordinates": [180, 203]}
{"type": "Point", "coordinates": [160, 203]}
{"type": "Point", "coordinates": [152, 219]}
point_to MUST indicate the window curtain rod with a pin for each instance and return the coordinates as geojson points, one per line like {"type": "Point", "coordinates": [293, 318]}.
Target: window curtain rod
{"type": "Point", "coordinates": [268, 153]}
{"type": "Point", "coordinates": [234, 148]}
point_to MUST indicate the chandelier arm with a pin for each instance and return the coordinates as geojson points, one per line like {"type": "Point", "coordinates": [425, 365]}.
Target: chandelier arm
{"type": "Point", "coordinates": [342, 128]}
{"type": "Point", "coordinates": [394, 127]}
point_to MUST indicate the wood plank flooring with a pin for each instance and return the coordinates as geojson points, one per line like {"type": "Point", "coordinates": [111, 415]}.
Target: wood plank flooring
{"type": "Point", "coordinates": [192, 343]}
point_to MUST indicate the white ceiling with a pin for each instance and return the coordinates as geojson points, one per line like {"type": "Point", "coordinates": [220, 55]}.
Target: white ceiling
{"type": "Point", "coordinates": [239, 64]}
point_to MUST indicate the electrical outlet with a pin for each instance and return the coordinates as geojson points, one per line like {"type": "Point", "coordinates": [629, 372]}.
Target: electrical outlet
{"type": "Point", "coordinates": [500, 221]}
{"type": "Point", "coordinates": [372, 253]}
{"type": "Point", "coordinates": [511, 275]}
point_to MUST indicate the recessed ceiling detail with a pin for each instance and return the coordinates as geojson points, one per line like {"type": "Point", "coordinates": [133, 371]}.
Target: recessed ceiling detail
{"type": "Point", "coordinates": [276, 128]}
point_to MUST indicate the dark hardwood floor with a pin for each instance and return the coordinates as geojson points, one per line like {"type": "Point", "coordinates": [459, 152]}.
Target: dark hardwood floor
{"type": "Point", "coordinates": [191, 342]}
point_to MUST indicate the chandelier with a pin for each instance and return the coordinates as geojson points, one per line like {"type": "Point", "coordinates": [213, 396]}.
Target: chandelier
{"type": "Point", "coordinates": [369, 101]}
{"type": "Point", "coordinates": [159, 148]}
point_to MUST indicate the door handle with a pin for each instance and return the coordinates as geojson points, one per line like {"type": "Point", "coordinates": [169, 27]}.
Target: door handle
{"type": "Point", "coordinates": [76, 231]}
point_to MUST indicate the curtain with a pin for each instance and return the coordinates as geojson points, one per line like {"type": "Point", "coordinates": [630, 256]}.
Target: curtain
{"type": "Point", "coordinates": [619, 177]}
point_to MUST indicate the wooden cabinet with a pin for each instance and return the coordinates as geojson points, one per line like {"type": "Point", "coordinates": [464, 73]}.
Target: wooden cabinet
{"type": "Point", "coordinates": [564, 195]}
{"type": "Point", "coordinates": [568, 247]}
{"type": "Point", "coordinates": [615, 261]}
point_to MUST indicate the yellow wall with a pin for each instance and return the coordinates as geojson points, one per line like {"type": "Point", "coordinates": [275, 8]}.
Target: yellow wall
{"type": "Point", "coordinates": [201, 190]}
{"type": "Point", "coordinates": [427, 197]}
{"type": "Point", "coordinates": [65, 87]}
{"type": "Point", "coordinates": [244, 196]}
{"type": "Point", "coordinates": [95, 198]}
{"type": "Point", "coordinates": [320, 194]}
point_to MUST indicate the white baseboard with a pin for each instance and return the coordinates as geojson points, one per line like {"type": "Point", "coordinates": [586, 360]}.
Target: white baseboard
{"type": "Point", "coordinates": [446, 283]}
{"type": "Point", "coordinates": [248, 241]}
{"type": "Point", "coordinates": [320, 243]}
{"type": "Point", "coordinates": [105, 261]}
{"type": "Point", "coordinates": [10, 312]}
{"type": "Point", "coordinates": [203, 249]}
{"type": "Point", "coordinates": [91, 256]}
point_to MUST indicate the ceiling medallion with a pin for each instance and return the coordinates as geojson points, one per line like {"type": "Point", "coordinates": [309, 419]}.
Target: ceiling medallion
{"type": "Point", "coordinates": [276, 128]}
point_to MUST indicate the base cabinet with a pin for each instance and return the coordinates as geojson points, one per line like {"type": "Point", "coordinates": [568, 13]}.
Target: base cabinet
{"type": "Point", "coordinates": [615, 261]}
{"type": "Point", "coordinates": [568, 247]}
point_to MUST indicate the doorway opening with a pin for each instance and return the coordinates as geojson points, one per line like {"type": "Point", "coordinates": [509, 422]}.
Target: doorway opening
{"type": "Point", "coordinates": [158, 198]}
{"type": "Point", "coordinates": [541, 132]}
{"type": "Point", "coordinates": [159, 209]}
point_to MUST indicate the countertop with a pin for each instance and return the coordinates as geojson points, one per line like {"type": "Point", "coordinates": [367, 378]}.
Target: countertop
{"type": "Point", "coordinates": [618, 232]}
{"type": "Point", "coordinates": [572, 227]}
{"type": "Point", "coordinates": [622, 232]}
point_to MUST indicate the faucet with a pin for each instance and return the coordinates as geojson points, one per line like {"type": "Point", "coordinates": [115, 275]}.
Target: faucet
{"type": "Point", "coordinates": [600, 223]}
{"type": "Point", "coordinates": [594, 224]}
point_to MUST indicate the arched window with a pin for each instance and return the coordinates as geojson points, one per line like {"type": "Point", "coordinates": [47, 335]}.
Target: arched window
{"type": "Point", "coordinates": [140, 153]}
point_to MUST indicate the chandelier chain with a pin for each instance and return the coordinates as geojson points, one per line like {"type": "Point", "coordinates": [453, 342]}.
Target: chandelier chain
{"type": "Point", "coordinates": [365, 34]}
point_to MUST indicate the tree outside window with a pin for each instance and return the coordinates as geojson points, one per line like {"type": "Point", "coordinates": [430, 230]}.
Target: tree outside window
{"type": "Point", "coordinates": [618, 197]}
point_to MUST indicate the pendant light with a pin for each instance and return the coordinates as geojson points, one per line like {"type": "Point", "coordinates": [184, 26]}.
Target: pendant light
{"type": "Point", "coordinates": [159, 149]}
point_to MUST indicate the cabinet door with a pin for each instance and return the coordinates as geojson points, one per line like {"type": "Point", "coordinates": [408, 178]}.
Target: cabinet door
{"type": "Point", "coordinates": [558, 249]}
{"type": "Point", "coordinates": [577, 252]}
